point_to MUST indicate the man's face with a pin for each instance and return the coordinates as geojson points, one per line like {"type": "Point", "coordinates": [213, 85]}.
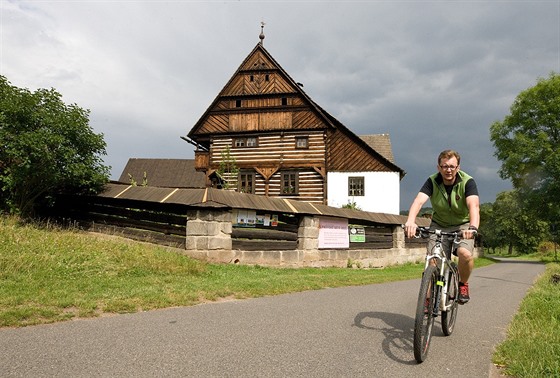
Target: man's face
{"type": "Point", "coordinates": [448, 169]}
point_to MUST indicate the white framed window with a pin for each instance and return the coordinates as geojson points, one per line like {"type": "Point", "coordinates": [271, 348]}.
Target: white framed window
{"type": "Point", "coordinates": [246, 142]}
{"type": "Point", "coordinates": [356, 186]}
{"type": "Point", "coordinates": [302, 142]}
{"type": "Point", "coordinates": [252, 142]}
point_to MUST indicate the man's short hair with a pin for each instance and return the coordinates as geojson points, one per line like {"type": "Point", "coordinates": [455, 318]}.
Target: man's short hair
{"type": "Point", "coordinates": [448, 154]}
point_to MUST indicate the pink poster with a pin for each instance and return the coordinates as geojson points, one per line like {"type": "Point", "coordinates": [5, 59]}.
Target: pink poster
{"type": "Point", "coordinates": [333, 233]}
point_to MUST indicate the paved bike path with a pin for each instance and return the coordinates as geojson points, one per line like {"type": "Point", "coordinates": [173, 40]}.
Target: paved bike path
{"type": "Point", "coordinates": [342, 332]}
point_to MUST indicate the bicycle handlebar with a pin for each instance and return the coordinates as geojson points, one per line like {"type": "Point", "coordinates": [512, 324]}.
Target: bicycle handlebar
{"type": "Point", "coordinates": [423, 232]}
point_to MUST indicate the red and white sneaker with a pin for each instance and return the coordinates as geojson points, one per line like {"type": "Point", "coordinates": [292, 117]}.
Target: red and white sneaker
{"type": "Point", "coordinates": [463, 293]}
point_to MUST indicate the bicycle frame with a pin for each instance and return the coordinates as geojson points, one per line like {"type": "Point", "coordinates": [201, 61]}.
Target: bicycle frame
{"type": "Point", "coordinates": [443, 262]}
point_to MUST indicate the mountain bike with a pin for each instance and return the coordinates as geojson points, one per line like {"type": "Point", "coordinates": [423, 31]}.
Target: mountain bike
{"type": "Point", "coordinates": [439, 291]}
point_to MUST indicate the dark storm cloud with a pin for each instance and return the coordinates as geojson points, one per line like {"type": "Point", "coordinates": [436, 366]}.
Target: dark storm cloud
{"type": "Point", "coordinates": [432, 74]}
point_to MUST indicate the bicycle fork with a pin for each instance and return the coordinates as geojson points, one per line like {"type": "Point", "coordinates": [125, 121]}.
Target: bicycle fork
{"type": "Point", "coordinates": [440, 291]}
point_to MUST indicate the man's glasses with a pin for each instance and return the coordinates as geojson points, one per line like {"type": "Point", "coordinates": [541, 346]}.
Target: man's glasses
{"type": "Point", "coordinates": [448, 167]}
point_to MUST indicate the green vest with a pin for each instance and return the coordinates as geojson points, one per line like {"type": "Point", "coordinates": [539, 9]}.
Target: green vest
{"type": "Point", "coordinates": [450, 212]}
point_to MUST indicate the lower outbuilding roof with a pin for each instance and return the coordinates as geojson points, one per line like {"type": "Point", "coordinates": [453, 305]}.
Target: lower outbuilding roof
{"type": "Point", "coordinates": [225, 199]}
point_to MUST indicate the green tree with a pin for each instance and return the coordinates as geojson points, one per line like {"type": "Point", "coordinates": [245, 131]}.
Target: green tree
{"type": "Point", "coordinates": [527, 141]}
{"type": "Point", "coordinates": [46, 148]}
{"type": "Point", "coordinates": [489, 229]}
{"type": "Point", "coordinates": [513, 224]}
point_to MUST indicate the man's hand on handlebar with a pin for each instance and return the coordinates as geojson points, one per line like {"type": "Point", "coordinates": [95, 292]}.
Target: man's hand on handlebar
{"type": "Point", "coordinates": [410, 229]}
{"type": "Point", "coordinates": [470, 233]}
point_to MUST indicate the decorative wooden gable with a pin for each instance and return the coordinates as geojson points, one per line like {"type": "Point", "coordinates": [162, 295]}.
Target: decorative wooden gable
{"type": "Point", "coordinates": [260, 97]}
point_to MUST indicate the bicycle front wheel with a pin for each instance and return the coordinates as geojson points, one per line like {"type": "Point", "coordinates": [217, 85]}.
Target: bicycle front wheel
{"type": "Point", "coordinates": [425, 313]}
{"type": "Point", "coordinates": [448, 317]}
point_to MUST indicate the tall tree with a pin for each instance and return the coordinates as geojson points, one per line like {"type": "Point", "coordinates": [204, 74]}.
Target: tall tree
{"type": "Point", "coordinates": [46, 148]}
{"type": "Point", "coordinates": [514, 224]}
{"type": "Point", "coordinates": [527, 141]}
{"type": "Point", "coordinates": [490, 230]}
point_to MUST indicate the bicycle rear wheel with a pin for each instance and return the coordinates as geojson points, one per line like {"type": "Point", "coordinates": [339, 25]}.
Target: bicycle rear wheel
{"type": "Point", "coordinates": [425, 314]}
{"type": "Point", "coordinates": [448, 317]}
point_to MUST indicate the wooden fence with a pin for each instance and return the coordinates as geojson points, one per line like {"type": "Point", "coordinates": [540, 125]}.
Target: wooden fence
{"type": "Point", "coordinates": [165, 224]}
{"type": "Point", "coordinates": [153, 222]}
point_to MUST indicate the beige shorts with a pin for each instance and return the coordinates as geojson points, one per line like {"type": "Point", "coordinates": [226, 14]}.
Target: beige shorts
{"type": "Point", "coordinates": [468, 244]}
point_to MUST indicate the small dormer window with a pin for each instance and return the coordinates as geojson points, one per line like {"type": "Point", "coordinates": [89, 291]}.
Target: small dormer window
{"type": "Point", "coordinates": [284, 101]}
{"type": "Point", "coordinates": [237, 103]}
{"type": "Point", "coordinates": [251, 78]}
{"type": "Point", "coordinates": [267, 77]}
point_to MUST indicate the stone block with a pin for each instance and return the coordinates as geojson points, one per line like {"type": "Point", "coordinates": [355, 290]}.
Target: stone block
{"type": "Point", "coordinates": [291, 257]}
{"type": "Point", "coordinates": [222, 255]}
{"type": "Point", "coordinates": [307, 244]}
{"type": "Point", "coordinates": [271, 258]}
{"type": "Point", "coordinates": [213, 228]}
{"type": "Point", "coordinates": [197, 228]}
{"type": "Point", "coordinates": [308, 232]}
{"type": "Point", "coordinates": [309, 222]}
{"type": "Point", "coordinates": [219, 242]}
{"type": "Point", "coordinates": [227, 227]}
{"type": "Point", "coordinates": [252, 257]}
{"type": "Point", "coordinates": [222, 216]}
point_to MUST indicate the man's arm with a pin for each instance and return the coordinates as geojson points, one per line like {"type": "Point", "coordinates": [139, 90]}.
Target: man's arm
{"type": "Point", "coordinates": [410, 225]}
{"type": "Point", "coordinates": [473, 203]}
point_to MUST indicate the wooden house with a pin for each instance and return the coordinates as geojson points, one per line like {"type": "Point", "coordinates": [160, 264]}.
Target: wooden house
{"type": "Point", "coordinates": [264, 135]}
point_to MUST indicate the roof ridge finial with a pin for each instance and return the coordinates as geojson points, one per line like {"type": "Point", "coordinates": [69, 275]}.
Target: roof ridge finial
{"type": "Point", "coordinates": [261, 36]}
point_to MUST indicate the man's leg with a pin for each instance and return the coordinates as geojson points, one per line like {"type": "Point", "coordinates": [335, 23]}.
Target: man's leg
{"type": "Point", "coordinates": [466, 264]}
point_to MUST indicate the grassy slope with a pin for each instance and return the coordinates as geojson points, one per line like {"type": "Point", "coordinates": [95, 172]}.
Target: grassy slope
{"type": "Point", "coordinates": [51, 275]}
{"type": "Point", "coordinates": [532, 347]}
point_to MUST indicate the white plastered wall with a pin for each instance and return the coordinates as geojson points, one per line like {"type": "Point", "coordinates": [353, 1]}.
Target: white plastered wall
{"type": "Point", "coordinates": [382, 191]}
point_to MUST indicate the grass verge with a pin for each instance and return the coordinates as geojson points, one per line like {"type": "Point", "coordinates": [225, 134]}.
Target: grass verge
{"type": "Point", "coordinates": [49, 275]}
{"type": "Point", "coordinates": [532, 347]}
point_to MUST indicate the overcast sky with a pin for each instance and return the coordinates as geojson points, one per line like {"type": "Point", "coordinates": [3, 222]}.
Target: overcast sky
{"type": "Point", "coordinates": [432, 74]}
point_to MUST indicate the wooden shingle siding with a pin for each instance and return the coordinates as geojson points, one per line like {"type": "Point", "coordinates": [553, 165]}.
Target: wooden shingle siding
{"type": "Point", "coordinates": [347, 155]}
{"type": "Point", "coordinates": [307, 120]}
{"type": "Point", "coordinates": [258, 75]}
{"type": "Point", "coordinates": [215, 124]}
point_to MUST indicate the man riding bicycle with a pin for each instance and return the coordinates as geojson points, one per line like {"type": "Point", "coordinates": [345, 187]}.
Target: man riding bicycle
{"type": "Point", "coordinates": [455, 203]}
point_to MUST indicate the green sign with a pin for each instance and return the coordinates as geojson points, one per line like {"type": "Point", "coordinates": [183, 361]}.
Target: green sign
{"type": "Point", "coordinates": [357, 234]}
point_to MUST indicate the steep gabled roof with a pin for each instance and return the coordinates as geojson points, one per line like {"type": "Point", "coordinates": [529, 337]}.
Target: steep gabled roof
{"type": "Point", "coordinates": [163, 173]}
{"type": "Point", "coordinates": [259, 60]}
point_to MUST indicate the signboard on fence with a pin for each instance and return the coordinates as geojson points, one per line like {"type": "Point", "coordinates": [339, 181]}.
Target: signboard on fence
{"type": "Point", "coordinates": [333, 233]}
{"type": "Point", "coordinates": [249, 218]}
{"type": "Point", "coordinates": [357, 234]}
